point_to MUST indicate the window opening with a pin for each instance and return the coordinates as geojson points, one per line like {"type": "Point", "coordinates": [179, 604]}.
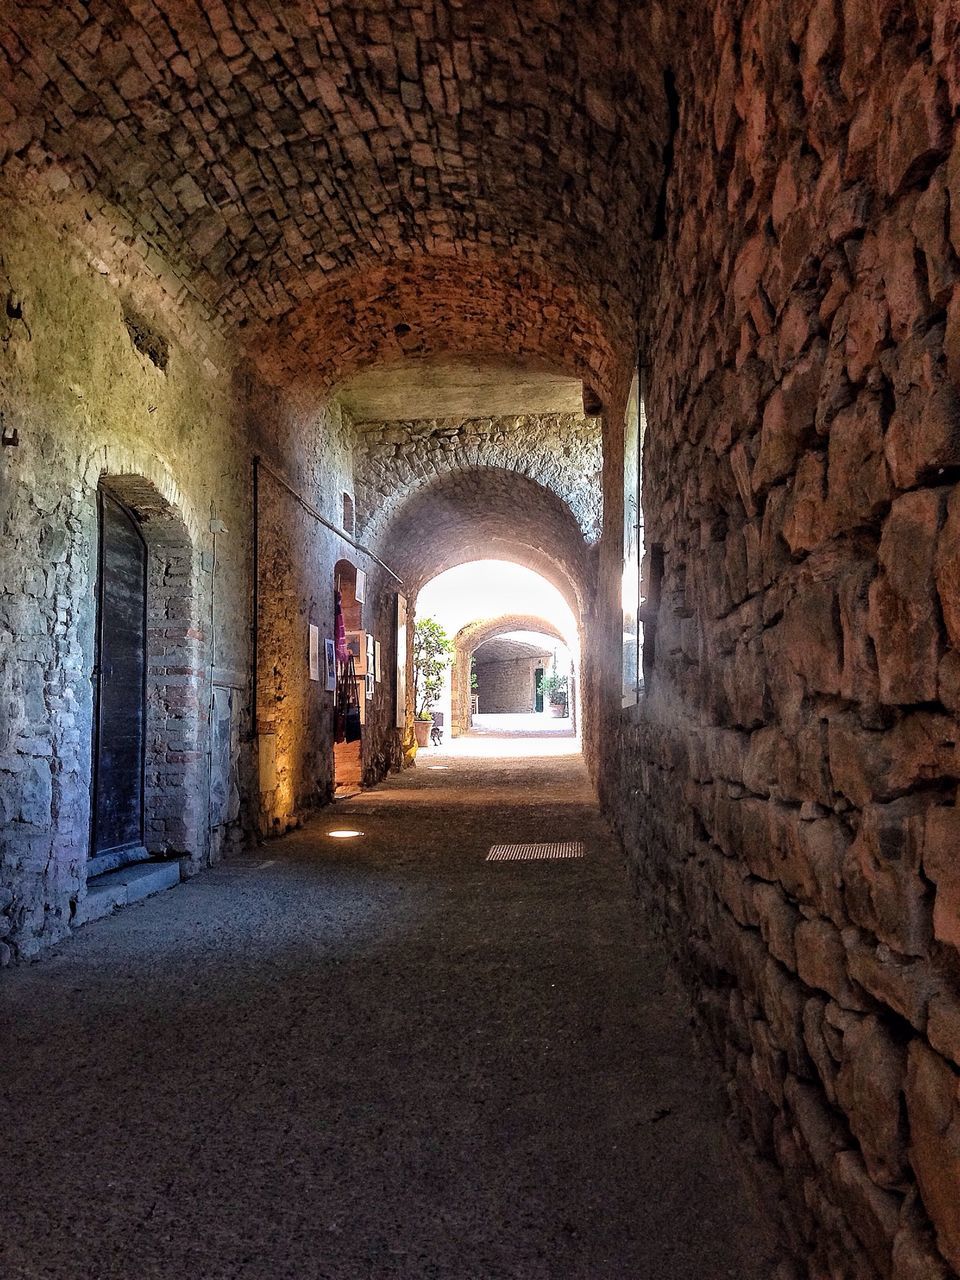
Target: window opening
{"type": "Point", "coordinates": [633, 432]}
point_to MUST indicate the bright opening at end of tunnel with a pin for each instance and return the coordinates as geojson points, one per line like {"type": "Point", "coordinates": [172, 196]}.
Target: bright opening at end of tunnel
{"type": "Point", "coordinates": [513, 673]}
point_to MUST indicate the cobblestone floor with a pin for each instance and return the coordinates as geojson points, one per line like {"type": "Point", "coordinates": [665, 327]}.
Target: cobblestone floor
{"type": "Point", "coordinates": [369, 1057]}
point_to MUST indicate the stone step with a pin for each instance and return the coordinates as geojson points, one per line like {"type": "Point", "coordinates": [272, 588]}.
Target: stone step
{"type": "Point", "coordinates": [129, 884]}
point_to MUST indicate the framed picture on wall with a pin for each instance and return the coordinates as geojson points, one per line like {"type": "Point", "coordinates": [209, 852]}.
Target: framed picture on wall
{"type": "Point", "coordinates": [314, 652]}
{"type": "Point", "coordinates": [330, 666]}
{"type": "Point", "coordinates": [361, 588]}
{"type": "Point", "coordinates": [369, 680]}
{"type": "Point", "coordinates": [357, 648]}
{"type": "Point", "coordinates": [371, 657]}
{"type": "Point", "coordinates": [377, 673]}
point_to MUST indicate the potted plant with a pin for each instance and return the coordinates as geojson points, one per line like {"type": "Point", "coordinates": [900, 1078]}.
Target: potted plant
{"type": "Point", "coordinates": [432, 654]}
{"type": "Point", "coordinates": [555, 691]}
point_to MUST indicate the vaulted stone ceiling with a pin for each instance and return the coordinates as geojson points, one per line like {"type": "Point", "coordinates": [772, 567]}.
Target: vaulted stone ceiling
{"type": "Point", "coordinates": [487, 514]}
{"type": "Point", "coordinates": [276, 153]}
{"type": "Point", "coordinates": [505, 649]}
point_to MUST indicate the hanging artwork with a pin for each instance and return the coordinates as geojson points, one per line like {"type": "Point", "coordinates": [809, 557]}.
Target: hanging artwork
{"type": "Point", "coordinates": [377, 672]}
{"type": "Point", "coordinates": [314, 652]}
{"type": "Point", "coordinates": [330, 666]}
{"type": "Point", "coordinates": [360, 591]}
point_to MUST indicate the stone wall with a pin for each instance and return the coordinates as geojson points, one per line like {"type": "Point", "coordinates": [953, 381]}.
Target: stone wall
{"type": "Point", "coordinates": [308, 448]}
{"type": "Point", "coordinates": [788, 788]}
{"type": "Point", "coordinates": [110, 382]}
{"type": "Point", "coordinates": [106, 378]}
{"type": "Point", "coordinates": [561, 452]}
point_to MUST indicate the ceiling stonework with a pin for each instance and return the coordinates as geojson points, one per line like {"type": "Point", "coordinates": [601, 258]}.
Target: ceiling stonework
{"type": "Point", "coordinates": [269, 151]}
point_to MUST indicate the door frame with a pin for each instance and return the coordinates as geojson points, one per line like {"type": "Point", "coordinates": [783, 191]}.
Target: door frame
{"type": "Point", "coordinates": [137, 853]}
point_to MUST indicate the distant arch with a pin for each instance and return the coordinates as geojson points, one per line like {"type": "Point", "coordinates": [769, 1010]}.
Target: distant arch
{"type": "Point", "coordinates": [466, 642]}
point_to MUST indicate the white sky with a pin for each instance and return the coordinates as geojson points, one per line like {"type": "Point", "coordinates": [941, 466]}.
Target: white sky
{"type": "Point", "coordinates": [490, 589]}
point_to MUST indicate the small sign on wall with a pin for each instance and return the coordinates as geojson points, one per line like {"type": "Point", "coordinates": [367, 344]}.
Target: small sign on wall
{"type": "Point", "coordinates": [377, 673]}
{"type": "Point", "coordinates": [314, 652]}
{"type": "Point", "coordinates": [360, 593]}
{"type": "Point", "coordinates": [330, 666]}
{"type": "Point", "coordinates": [357, 648]}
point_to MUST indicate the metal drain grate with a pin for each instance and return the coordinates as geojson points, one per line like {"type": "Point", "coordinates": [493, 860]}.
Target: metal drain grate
{"type": "Point", "coordinates": [524, 852]}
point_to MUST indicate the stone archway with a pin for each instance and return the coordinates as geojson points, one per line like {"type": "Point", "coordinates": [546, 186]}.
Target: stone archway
{"type": "Point", "coordinates": [560, 452]}
{"type": "Point", "coordinates": [494, 514]}
{"type": "Point", "coordinates": [487, 513]}
{"type": "Point", "coordinates": [467, 640]}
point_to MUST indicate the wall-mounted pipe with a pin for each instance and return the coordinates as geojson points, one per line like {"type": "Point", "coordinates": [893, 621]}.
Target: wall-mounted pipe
{"type": "Point", "coordinates": [322, 519]}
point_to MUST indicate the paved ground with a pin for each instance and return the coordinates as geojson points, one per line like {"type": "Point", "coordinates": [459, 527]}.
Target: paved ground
{"type": "Point", "coordinates": [516, 724]}
{"type": "Point", "coordinates": [372, 1057]}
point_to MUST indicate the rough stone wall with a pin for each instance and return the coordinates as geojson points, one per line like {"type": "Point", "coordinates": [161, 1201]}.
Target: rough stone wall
{"type": "Point", "coordinates": [86, 403]}
{"type": "Point", "coordinates": [788, 789]}
{"type": "Point", "coordinates": [561, 452]}
{"type": "Point", "coordinates": [310, 445]}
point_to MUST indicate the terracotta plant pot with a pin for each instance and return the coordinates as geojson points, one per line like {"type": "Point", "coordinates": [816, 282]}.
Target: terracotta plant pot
{"type": "Point", "coordinates": [422, 729]}
{"type": "Point", "coordinates": [558, 710]}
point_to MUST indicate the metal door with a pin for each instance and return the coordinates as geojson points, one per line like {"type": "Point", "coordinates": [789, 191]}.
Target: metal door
{"type": "Point", "coordinates": [119, 730]}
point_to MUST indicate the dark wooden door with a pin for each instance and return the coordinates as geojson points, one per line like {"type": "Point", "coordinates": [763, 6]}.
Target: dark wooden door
{"type": "Point", "coordinates": [121, 673]}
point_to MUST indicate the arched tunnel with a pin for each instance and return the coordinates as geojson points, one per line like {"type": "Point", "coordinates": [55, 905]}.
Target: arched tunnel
{"type": "Point", "coordinates": [338, 341]}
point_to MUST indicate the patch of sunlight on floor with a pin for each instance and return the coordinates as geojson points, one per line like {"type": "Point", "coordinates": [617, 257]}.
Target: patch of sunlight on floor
{"type": "Point", "coordinates": [508, 735]}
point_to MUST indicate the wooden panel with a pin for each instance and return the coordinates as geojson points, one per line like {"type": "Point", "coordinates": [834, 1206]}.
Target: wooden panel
{"type": "Point", "coordinates": [118, 777]}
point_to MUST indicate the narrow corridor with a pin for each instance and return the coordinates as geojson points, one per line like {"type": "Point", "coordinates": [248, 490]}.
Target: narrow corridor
{"type": "Point", "coordinates": [377, 1056]}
